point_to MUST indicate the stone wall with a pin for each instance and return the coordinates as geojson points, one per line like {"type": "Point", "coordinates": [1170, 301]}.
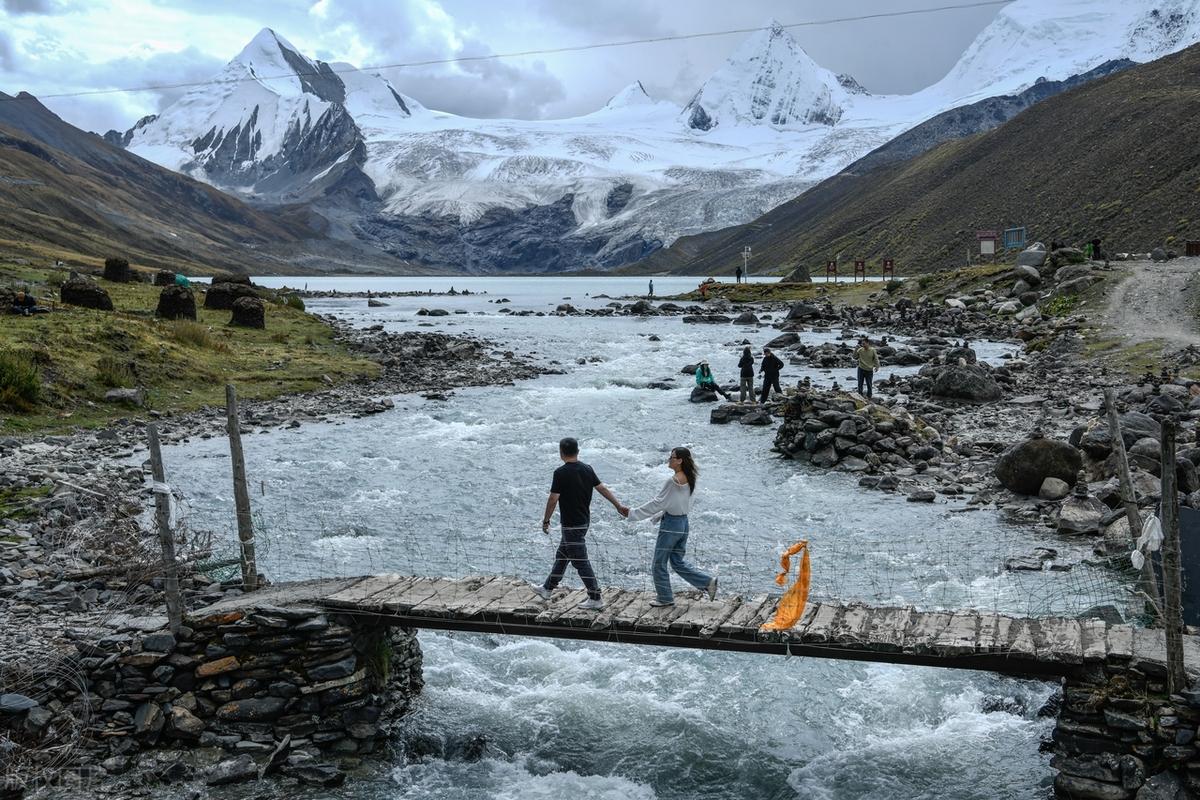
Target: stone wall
{"type": "Point", "coordinates": [1121, 736]}
{"type": "Point", "coordinates": [288, 689]}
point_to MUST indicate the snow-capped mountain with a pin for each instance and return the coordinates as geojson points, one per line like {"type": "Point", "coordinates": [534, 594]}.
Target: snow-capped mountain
{"type": "Point", "coordinates": [604, 188]}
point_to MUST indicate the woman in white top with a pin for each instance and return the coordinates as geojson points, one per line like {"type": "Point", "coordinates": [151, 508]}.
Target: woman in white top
{"type": "Point", "coordinates": [672, 505]}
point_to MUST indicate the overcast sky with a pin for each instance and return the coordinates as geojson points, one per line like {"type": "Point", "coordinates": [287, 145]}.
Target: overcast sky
{"type": "Point", "coordinates": [54, 46]}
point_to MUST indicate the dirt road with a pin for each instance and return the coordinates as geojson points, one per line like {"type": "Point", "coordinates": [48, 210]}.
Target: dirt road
{"type": "Point", "coordinates": [1158, 301]}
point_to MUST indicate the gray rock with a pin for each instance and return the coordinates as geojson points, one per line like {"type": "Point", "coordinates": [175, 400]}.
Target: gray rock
{"type": "Point", "coordinates": [13, 703]}
{"type": "Point", "coordinates": [176, 302]}
{"type": "Point", "coordinates": [338, 669]}
{"type": "Point", "coordinates": [1164, 786]}
{"type": "Point", "coordinates": [373, 303]}
{"type": "Point", "coordinates": [249, 312]}
{"type": "Point", "coordinates": [222, 295]}
{"type": "Point", "coordinates": [85, 293]}
{"type": "Point", "coordinates": [234, 770]}
{"type": "Point", "coordinates": [702, 395]}
{"type": "Point", "coordinates": [1075, 786]}
{"type": "Point", "coordinates": [324, 775]}
{"type": "Point", "coordinates": [757, 416]}
{"type": "Point", "coordinates": [1031, 259]}
{"type": "Point", "coordinates": [1054, 489]}
{"type": "Point", "coordinates": [149, 719]}
{"type": "Point", "coordinates": [1028, 272]}
{"type": "Point", "coordinates": [1024, 467]}
{"type": "Point", "coordinates": [1072, 272]}
{"type": "Point", "coordinates": [159, 642]}
{"type": "Point", "coordinates": [131, 397]}
{"type": "Point", "coordinates": [921, 496]}
{"type": "Point", "coordinates": [277, 758]}
{"type": "Point", "coordinates": [183, 724]}
{"type": "Point", "coordinates": [1158, 254]}
{"type": "Point", "coordinates": [1081, 515]}
{"type": "Point", "coordinates": [783, 340]}
{"type": "Point", "coordinates": [261, 709]}
{"type": "Point", "coordinates": [972, 383]}
{"type": "Point", "coordinates": [745, 318]}
{"type": "Point", "coordinates": [802, 311]}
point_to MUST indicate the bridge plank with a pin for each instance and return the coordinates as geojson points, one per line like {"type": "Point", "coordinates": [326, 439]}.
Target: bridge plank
{"type": "Point", "coordinates": [720, 617]}
{"type": "Point", "coordinates": [1062, 637]}
{"type": "Point", "coordinates": [764, 614]}
{"type": "Point", "coordinates": [446, 592]}
{"type": "Point", "coordinates": [493, 588]}
{"type": "Point", "coordinates": [851, 628]}
{"type": "Point", "coordinates": [796, 632]}
{"type": "Point", "coordinates": [886, 629]}
{"type": "Point", "coordinates": [923, 629]}
{"type": "Point", "coordinates": [616, 601]}
{"type": "Point", "coordinates": [584, 617]}
{"type": "Point", "coordinates": [626, 617]}
{"type": "Point", "coordinates": [402, 599]}
{"type": "Point", "coordinates": [698, 614]}
{"type": "Point", "coordinates": [519, 602]}
{"type": "Point", "coordinates": [1120, 642]}
{"type": "Point", "coordinates": [989, 632]}
{"type": "Point", "coordinates": [744, 614]}
{"type": "Point", "coordinates": [1022, 643]}
{"type": "Point", "coordinates": [660, 619]}
{"type": "Point", "coordinates": [359, 594]}
{"type": "Point", "coordinates": [959, 637]}
{"type": "Point", "coordinates": [825, 618]}
{"type": "Point", "coordinates": [1094, 636]}
{"type": "Point", "coordinates": [560, 603]}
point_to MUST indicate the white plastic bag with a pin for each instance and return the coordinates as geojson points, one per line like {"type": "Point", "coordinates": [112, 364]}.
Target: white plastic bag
{"type": "Point", "coordinates": [1150, 540]}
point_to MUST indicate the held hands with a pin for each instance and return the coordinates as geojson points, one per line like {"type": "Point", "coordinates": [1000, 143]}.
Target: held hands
{"type": "Point", "coordinates": [623, 511]}
{"type": "Point", "coordinates": [546, 526]}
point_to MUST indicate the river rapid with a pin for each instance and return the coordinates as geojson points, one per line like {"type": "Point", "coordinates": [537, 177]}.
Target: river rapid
{"type": "Point", "coordinates": [457, 486]}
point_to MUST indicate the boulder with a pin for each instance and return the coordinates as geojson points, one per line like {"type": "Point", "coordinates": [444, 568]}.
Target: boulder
{"type": "Point", "coordinates": [1029, 273]}
{"type": "Point", "coordinates": [249, 312]}
{"type": "Point", "coordinates": [801, 311]}
{"type": "Point", "coordinates": [12, 703]}
{"type": "Point", "coordinates": [1019, 288]}
{"type": "Point", "coordinates": [757, 416]}
{"type": "Point", "coordinates": [117, 270]}
{"type": "Point", "coordinates": [1024, 467]}
{"type": "Point", "coordinates": [1067, 255]}
{"type": "Point", "coordinates": [642, 308]}
{"type": "Point", "coordinates": [702, 395]}
{"type": "Point", "coordinates": [234, 770]}
{"type": "Point", "coordinates": [711, 319]}
{"type": "Point", "coordinates": [1028, 298]}
{"type": "Point", "coordinates": [373, 303]}
{"type": "Point", "coordinates": [176, 302]}
{"type": "Point", "coordinates": [966, 354]}
{"type": "Point", "coordinates": [164, 277]}
{"type": "Point", "coordinates": [130, 397]}
{"type": "Point", "coordinates": [783, 340]}
{"type": "Point", "coordinates": [971, 383]}
{"type": "Point", "coordinates": [1081, 515]}
{"type": "Point", "coordinates": [1032, 257]}
{"type": "Point", "coordinates": [220, 296]}
{"type": "Point", "coordinates": [1071, 272]}
{"type": "Point", "coordinates": [233, 277]}
{"type": "Point", "coordinates": [1054, 489]}
{"type": "Point", "coordinates": [745, 318]}
{"type": "Point", "coordinates": [1076, 285]}
{"type": "Point", "coordinates": [1135, 425]}
{"type": "Point", "coordinates": [86, 293]}
{"type": "Point", "coordinates": [1158, 254]}
{"type": "Point", "coordinates": [1096, 442]}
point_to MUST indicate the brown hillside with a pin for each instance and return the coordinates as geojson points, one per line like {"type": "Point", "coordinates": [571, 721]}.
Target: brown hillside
{"type": "Point", "coordinates": [1118, 158]}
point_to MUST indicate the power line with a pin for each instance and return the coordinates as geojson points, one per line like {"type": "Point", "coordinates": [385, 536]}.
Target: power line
{"type": "Point", "coordinates": [538, 52]}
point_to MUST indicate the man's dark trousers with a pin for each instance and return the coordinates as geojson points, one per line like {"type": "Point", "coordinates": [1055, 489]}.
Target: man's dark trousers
{"type": "Point", "coordinates": [572, 549]}
{"type": "Point", "coordinates": [865, 376]}
{"type": "Point", "coordinates": [770, 379]}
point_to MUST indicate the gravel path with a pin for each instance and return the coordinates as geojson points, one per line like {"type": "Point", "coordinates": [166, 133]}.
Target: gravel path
{"type": "Point", "coordinates": [1157, 302]}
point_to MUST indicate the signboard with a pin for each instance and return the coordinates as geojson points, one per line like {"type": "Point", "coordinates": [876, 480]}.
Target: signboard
{"type": "Point", "coordinates": [987, 247]}
{"type": "Point", "coordinates": [1014, 238]}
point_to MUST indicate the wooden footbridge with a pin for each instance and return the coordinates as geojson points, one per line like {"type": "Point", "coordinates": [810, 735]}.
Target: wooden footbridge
{"type": "Point", "coordinates": [1042, 647]}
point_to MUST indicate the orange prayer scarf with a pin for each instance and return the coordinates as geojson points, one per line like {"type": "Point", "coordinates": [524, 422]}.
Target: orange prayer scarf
{"type": "Point", "coordinates": [791, 606]}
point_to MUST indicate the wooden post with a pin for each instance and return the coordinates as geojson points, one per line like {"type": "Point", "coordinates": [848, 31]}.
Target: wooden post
{"type": "Point", "coordinates": [241, 497]}
{"type": "Point", "coordinates": [1148, 580]}
{"type": "Point", "coordinates": [166, 540]}
{"type": "Point", "coordinates": [1173, 601]}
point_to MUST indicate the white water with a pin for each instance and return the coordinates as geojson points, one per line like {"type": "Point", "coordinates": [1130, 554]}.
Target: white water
{"type": "Point", "coordinates": [458, 487]}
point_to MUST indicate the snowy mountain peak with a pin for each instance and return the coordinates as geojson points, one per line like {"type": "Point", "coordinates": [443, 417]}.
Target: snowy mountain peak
{"type": "Point", "coordinates": [1055, 39]}
{"type": "Point", "coordinates": [768, 80]}
{"type": "Point", "coordinates": [632, 95]}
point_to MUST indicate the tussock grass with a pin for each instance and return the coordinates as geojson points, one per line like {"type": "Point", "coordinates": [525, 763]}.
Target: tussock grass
{"type": "Point", "coordinates": [20, 381]}
{"type": "Point", "coordinates": [114, 372]}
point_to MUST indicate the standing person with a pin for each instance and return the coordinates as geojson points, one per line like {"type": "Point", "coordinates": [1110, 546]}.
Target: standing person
{"type": "Point", "coordinates": [738, 275]}
{"type": "Point", "coordinates": [704, 291]}
{"type": "Point", "coordinates": [652, 287]}
{"type": "Point", "coordinates": [746, 363]}
{"type": "Point", "coordinates": [705, 380]}
{"type": "Point", "coordinates": [868, 362]}
{"type": "Point", "coordinates": [571, 491]}
{"type": "Point", "coordinates": [770, 367]}
{"type": "Point", "coordinates": [671, 506]}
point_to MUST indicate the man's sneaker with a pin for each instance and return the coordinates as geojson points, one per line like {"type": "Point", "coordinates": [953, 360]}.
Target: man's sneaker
{"type": "Point", "coordinates": [540, 591]}
{"type": "Point", "coordinates": [712, 589]}
{"type": "Point", "coordinates": [656, 603]}
{"type": "Point", "coordinates": [592, 605]}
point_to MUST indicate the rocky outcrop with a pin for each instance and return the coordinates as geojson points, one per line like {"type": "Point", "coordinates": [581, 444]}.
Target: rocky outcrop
{"type": "Point", "coordinates": [86, 293]}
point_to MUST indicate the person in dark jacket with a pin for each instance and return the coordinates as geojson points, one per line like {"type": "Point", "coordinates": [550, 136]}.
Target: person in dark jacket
{"type": "Point", "coordinates": [746, 363]}
{"type": "Point", "coordinates": [770, 367]}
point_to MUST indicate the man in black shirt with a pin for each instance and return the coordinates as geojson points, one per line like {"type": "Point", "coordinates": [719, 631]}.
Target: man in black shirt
{"type": "Point", "coordinates": [771, 365]}
{"type": "Point", "coordinates": [571, 491]}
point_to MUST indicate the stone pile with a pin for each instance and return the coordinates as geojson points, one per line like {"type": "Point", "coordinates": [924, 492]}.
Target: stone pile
{"type": "Point", "coordinates": [82, 291]}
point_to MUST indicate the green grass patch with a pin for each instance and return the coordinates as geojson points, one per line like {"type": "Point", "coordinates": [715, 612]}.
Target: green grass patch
{"type": "Point", "coordinates": [17, 504]}
{"type": "Point", "coordinates": [1061, 306]}
{"type": "Point", "coordinates": [184, 365]}
{"type": "Point", "coordinates": [20, 381]}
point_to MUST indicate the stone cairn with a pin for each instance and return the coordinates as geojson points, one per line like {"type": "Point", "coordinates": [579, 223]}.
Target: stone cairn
{"type": "Point", "coordinates": [84, 292]}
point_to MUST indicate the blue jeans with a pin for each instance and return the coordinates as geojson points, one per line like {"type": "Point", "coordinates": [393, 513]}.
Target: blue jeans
{"type": "Point", "coordinates": [670, 550]}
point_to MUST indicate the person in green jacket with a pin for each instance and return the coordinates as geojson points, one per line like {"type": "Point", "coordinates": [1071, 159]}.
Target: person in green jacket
{"type": "Point", "coordinates": [868, 362]}
{"type": "Point", "coordinates": [705, 380]}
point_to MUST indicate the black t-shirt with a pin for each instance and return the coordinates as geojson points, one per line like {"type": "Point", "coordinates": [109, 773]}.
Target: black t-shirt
{"type": "Point", "coordinates": [573, 483]}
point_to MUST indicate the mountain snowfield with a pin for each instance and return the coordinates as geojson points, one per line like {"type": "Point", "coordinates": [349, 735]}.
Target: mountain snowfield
{"type": "Point", "coordinates": [608, 187]}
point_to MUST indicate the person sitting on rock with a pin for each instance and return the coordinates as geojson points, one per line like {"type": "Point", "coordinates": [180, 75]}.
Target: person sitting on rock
{"type": "Point", "coordinates": [26, 304]}
{"type": "Point", "coordinates": [705, 380]}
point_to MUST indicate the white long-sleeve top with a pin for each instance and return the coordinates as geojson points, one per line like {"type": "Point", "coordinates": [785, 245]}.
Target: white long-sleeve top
{"type": "Point", "coordinates": [675, 498]}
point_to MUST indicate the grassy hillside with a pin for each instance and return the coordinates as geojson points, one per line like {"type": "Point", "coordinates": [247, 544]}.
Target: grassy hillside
{"type": "Point", "coordinates": [74, 355]}
{"type": "Point", "coordinates": [1115, 159]}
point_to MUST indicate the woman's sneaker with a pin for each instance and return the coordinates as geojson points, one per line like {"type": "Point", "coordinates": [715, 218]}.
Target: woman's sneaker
{"type": "Point", "coordinates": [592, 605]}
{"type": "Point", "coordinates": [656, 603]}
{"type": "Point", "coordinates": [540, 591]}
{"type": "Point", "coordinates": [712, 589]}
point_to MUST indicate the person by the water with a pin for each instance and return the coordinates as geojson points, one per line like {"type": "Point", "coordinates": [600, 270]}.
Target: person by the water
{"type": "Point", "coordinates": [571, 491]}
{"type": "Point", "coordinates": [652, 287]}
{"type": "Point", "coordinates": [671, 507]}
{"type": "Point", "coordinates": [705, 380]}
{"type": "Point", "coordinates": [746, 366]}
{"type": "Point", "coordinates": [868, 362]}
{"type": "Point", "coordinates": [771, 365]}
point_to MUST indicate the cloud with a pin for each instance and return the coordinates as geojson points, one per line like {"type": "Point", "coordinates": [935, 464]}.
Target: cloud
{"type": "Point", "coordinates": [423, 30]}
{"type": "Point", "coordinates": [30, 6]}
{"type": "Point", "coordinates": [8, 59]}
{"type": "Point", "coordinates": [633, 19]}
